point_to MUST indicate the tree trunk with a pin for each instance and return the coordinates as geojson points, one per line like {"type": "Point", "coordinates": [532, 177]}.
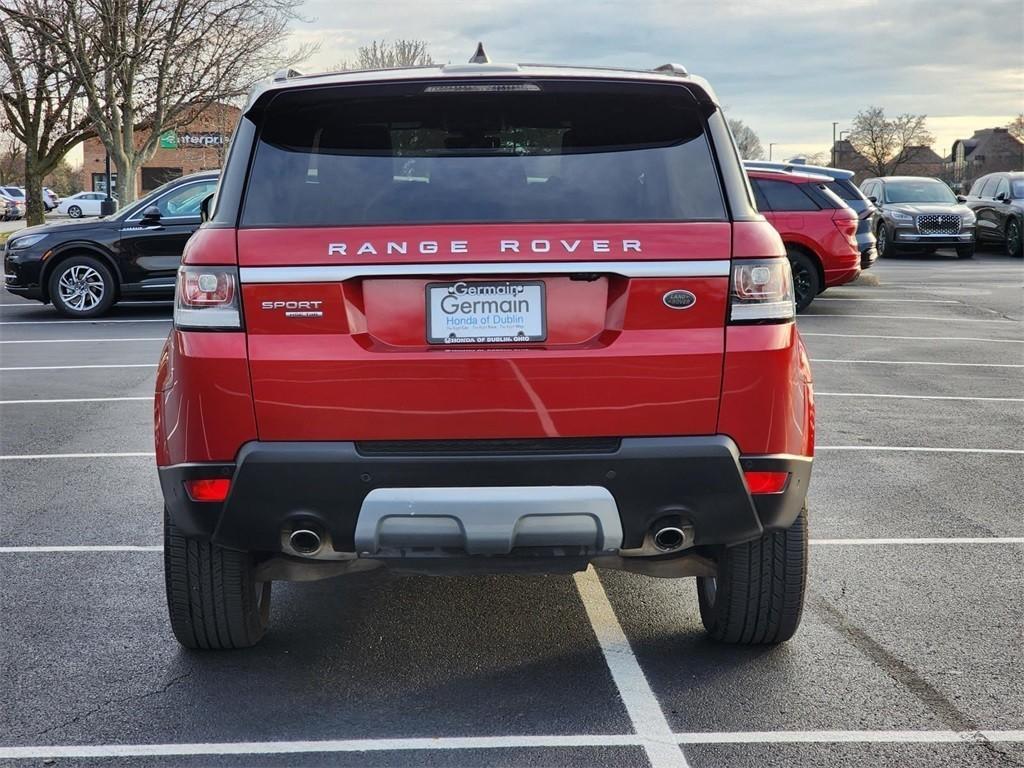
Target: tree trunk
{"type": "Point", "coordinates": [126, 171]}
{"type": "Point", "coordinates": [35, 212]}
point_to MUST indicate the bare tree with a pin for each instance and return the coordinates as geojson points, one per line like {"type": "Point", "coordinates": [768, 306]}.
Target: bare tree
{"type": "Point", "coordinates": [38, 94]}
{"type": "Point", "coordinates": [12, 156]}
{"type": "Point", "coordinates": [390, 55]}
{"type": "Point", "coordinates": [1016, 127]}
{"type": "Point", "coordinates": [147, 66]}
{"type": "Point", "coordinates": [888, 144]}
{"type": "Point", "coordinates": [747, 141]}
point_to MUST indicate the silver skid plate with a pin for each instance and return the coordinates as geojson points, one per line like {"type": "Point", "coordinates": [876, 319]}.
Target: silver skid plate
{"type": "Point", "coordinates": [488, 521]}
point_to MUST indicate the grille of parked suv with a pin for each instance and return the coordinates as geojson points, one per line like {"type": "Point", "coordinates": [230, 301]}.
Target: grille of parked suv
{"type": "Point", "coordinates": [938, 224]}
{"type": "Point", "coordinates": [511, 446]}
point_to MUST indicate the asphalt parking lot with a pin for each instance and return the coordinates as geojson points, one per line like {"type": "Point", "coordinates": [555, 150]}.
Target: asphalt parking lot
{"type": "Point", "coordinates": [910, 652]}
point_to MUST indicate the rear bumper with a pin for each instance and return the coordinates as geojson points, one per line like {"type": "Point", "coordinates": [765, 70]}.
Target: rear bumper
{"type": "Point", "coordinates": [611, 492]}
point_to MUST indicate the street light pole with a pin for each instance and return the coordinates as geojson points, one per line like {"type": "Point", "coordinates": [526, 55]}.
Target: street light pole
{"type": "Point", "coordinates": [835, 124]}
{"type": "Point", "coordinates": [107, 207]}
{"type": "Point", "coordinates": [770, 147]}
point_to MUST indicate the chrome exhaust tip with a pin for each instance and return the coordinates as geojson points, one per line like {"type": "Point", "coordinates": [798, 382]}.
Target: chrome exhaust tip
{"type": "Point", "coordinates": [305, 542]}
{"type": "Point", "coordinates": [669, 538]}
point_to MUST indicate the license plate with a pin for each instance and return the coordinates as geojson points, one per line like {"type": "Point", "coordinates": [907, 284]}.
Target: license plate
{"type": "Point", "coordinates": [498, 312]}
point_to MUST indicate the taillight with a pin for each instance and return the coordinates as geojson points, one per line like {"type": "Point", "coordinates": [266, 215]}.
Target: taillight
{"type": "Point", "coordinates": [208, 489]}
{"type": "Point", "coordinates": [206, 298]}
{"type": "Point", "coordinates": [766, 482]}
{"type": "Point", "coordinates": [847, 225]}
{"type": "Point", "coordinates": [762, 291]}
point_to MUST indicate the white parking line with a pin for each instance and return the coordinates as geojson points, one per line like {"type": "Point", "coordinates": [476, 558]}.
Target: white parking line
{"type": "Point", "coordinates": [641, 704]}
{"type": "Point", "coordinates": [912, 362]}
{"type": "Point", "coordinates": [79, 548]}
{"type": "Point", "coordinates": [916, 449]}
{"type": "Point", "coordinates": [912, 338]}
{"type": "Point", "coordinates": [454, 743]}
{"type": "Point", "coordinates": [847, 737]}
{"type": "Point", "coordinates": [40, 456]}
{"type": "Point", "coordinates": [913, 317]}
{"type": "Point", "coordinates": [890, 301]}
{"type": "Point", "coordinates": [921, 397]}
{"type": "Point", "coordinates": [77, 341]}
{"type": "Point", "coordinates": [932, 540]}
{"type": "Point", "coordinates": [75, 367]}
{"type": "Point", "coordinates": [83, 322]}
{"type": "Point", "coordinates": [145, 398]}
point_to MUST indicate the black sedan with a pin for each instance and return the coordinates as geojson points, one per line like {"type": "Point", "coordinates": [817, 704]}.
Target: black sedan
{"type": "Point", "coordinates": [84, 267]}
{"type": "Point", "coordinates": [998, 201]}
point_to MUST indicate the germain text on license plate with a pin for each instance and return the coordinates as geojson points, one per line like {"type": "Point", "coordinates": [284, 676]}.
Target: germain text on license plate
{"type": "Point", "coordinates": [491, 312]}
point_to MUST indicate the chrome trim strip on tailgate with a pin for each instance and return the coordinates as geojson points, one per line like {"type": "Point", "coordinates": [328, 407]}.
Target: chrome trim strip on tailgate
{"type": "Point", "coordinates": [336, 274]}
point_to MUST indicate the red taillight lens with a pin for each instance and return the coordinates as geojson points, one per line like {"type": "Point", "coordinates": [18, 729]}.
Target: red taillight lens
{"type": "Point", "coordinates": [209, 489]}
{"type": "Point", "coordinates": [767, 482]}
{"type": "Point", "coordinates": [207, 298]}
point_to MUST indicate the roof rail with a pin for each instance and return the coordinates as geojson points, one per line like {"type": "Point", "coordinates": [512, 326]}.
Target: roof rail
{"type": "Point", "coordinates": [284, 74]}
{"type": "Point", "coordinates": [672, 69]}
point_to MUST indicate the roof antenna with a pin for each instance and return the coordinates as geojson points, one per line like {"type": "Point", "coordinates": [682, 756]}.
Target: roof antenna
{"type": "Point", "coordinates": [480, 57]}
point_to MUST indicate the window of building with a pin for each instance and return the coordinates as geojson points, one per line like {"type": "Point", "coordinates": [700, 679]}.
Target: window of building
{"type": "Point", "coordinates": [154, 177]}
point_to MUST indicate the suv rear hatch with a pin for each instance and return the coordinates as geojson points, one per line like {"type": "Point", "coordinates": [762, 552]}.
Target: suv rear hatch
{"type": "Point", "coordinates": [485, 259]}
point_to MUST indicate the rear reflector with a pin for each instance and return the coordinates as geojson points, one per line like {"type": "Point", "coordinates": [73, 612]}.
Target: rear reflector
{"type": "Point", "coordinates": [210, 489]}
{"type": "Point", "coordinates": [767, 482]}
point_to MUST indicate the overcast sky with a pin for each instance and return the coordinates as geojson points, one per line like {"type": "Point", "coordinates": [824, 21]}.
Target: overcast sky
{"type": "Point", "coordinates": [788, 68]}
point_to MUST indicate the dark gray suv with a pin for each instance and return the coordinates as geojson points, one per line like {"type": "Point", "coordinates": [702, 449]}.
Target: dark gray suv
{"type": "Point", "coordinates": [920, 214]}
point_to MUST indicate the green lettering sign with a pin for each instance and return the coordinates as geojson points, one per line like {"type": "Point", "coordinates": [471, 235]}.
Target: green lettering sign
{"type": "Point", "coordinates": [168, 140]}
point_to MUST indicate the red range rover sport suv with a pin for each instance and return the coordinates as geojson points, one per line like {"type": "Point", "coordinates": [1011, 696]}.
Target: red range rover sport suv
{"type": "Point", "coordinates": [484, 318]}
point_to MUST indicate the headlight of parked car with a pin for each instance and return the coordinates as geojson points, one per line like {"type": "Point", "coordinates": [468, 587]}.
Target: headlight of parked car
{"type": "Point", "coordinates": [25, 242]}
{"type": "Point", "coordinates": [901, 216]}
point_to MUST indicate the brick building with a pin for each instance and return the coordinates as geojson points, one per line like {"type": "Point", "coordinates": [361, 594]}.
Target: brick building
{"type": "Point", "coordinates": [987, 151]}
{"type": "Point", "coordinates": [921, 161]}
{"type": "Point", "coordinates": [199, 146]}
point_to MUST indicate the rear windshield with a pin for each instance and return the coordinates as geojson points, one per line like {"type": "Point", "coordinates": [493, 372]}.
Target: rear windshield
{"type": "Point", "coordinates": [432, 152]}
{"type": "Point", "coordinates": [846, 190]}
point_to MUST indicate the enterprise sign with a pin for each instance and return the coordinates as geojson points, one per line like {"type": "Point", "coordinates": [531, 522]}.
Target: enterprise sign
{"type": "Point", "coordinates": [176, 140]}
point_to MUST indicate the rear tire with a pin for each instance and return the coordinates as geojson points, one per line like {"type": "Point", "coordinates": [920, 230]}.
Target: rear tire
{"type": "Point", "coordinates": [75, 212]}
{"type": "Point", "coordinates": [758, 596]}
{"type": "Point", "coordinates": [213, 598]}
{"type": "Point", "coordinates": [965, 251]}
{"type": "Point", "coordinates": [806, 280]}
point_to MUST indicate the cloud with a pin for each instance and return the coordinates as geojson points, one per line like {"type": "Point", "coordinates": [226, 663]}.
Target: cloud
{"type": "Point", "coordinates": [787, 67]}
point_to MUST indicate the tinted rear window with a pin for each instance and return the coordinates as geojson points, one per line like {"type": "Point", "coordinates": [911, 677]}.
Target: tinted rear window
{"type": "Point", "coordinates": [846, 190]}
{"type": "Point", "coordinates": [785, 196]}
{"type": "Point", "coordinates": [397, 154]}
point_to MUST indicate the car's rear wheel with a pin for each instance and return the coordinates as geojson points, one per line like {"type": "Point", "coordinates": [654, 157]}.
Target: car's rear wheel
{"type": "Point", "coordinates": [757, 597]}
{"type": "Point", "coordinates": [81, 287]}
{"type": "Point", "coordinates": [1014, 239]}
{"type": "Point", "coordinates": [213, 597]}
{"type": "Point", "coordinates": [806, 280]}
{"type": "Point", "coordinates": [75, 212]}
{"type": "Point", "coordinates": [965, 251]}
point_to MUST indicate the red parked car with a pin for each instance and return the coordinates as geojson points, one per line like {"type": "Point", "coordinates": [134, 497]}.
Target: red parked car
{"type": "Point", "coordinates": [817, 227]}
{"type": "Point", "coordinates": [484, 318]}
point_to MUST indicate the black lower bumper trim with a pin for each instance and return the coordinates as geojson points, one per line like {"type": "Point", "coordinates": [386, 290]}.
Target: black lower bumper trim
{"type": "Point", "coordinates": [277, 486]}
